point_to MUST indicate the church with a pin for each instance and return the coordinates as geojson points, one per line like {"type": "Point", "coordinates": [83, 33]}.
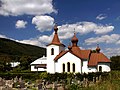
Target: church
{"type": "Point", "coordinates": [74, 59]}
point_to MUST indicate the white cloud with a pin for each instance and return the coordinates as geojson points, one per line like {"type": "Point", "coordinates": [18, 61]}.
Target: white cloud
{"type": "Point", "coordinates": [101, 16]}
{"type": "Point", "coordinates": [66, 31]}
{"type": "Point", "coordinates": [34, 41]}
{"type": "Point", "coordinates": [21, 24]}
{"type": "Point", "coordinates": [29, 7]}
{"type": "Point", "coordinates": [118, 42]}
{"type": "Point", "coordinates": [45, 38]}
{"type": "Point", "coordinates": [41, 41]}
{"type": "Point", "coordinates": [103, 29]}
{"type": "Point", "coordinates": [43, 23]}
{"type": "Point", "coordinates": [112, 51]}
{"type": "Point", "coordinates": [113, 38]}
{"type": "Point", "coordinates": [3, 36]}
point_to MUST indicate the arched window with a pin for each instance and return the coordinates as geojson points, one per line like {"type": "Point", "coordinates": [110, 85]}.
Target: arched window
{"type": "Point", "coordinates": [100, 68]}
{"type": "Point", "coordinates": [73, 67]}
{"type": "Point", "coordinates": [52, 51]}
{"type": "Point", "coordinates": [63, 67]}
{"type": "Point", "coordinates": [68, 67]}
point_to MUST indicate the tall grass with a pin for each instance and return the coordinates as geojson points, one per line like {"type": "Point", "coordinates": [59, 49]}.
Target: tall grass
{"type": "Point", "coordinates": [111, 83]}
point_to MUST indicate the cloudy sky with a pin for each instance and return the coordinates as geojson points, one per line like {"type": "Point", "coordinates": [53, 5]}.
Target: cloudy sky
{"type": "Point", "coordinates": [32, 21]}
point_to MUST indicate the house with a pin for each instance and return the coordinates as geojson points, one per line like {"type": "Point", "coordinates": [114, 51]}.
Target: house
{"type": "Point", "coordinates": [39, 64]}
{"type": "Point", "coordinates": [14, 64]}
{"type": "Point", "coordinates": [72, 60]}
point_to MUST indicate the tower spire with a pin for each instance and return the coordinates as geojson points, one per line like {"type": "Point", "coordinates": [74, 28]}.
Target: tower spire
{"type": "Point", "coordinates": [56, 40]}
{"type": "Point", "coordinates": [98, 48]}
{"type": "Point", "coordinates": [55, 28]}
{"type": "Point", "coordinates": [74, 40]}
{"type": "Point", "coordinates": [69, 46]}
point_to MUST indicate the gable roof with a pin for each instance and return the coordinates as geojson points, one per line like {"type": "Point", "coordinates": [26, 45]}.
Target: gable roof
{"type": "Point", "coordinates": [56, 40]}
{"type": "Point", "coordinates": [60, 55]}
{"type": "Point", "coordinates": [39, 60]}
{"type": "Point", "coordinates": [85, 53]}
{"type": "Point", "coordinates": [96, 58]}
{"type": "Point", "coordinates": [82, 54]}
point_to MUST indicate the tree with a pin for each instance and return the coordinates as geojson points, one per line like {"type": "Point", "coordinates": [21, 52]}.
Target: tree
{"type": "Point", "coordinates": [25, 62]}
{"type": "Point", "coordinates": [115, 65]}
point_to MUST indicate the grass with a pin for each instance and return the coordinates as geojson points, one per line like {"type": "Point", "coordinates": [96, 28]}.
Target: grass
{"type": "Point", "coordinates": [112, 82]}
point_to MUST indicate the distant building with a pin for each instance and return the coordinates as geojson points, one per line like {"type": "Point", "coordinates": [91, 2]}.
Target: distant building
{"type": "Point", "coordinates": [72, 60]}
{"type": "Point", "coordinates": [39, 64]}
{"type": "Point", "coordinates": [14, 64]}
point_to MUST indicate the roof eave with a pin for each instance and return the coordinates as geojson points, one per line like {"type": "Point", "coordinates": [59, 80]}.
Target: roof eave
{"type": "Point", "coordinates": [56, 44]}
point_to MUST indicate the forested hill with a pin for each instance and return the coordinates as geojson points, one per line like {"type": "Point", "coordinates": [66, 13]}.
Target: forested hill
{"type": "Point", "coordinates": [115, 65]}
{"type": "Point", "coordinates": [13, 50]}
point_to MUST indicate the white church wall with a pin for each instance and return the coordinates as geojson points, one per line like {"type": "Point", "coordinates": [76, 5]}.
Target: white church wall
{"type": "Point", "coordinates": [92, 69]}
{"type": "Point", "coordinates": [105, 67]}
{"type": "Point", "coordinates": [50, 58]}
{"type": "Point", "coordinates": [85, 66]}
{"type": "Point", "coordinates": [37, 69]}
{"type": "Point", "coordinates": [68, 57]}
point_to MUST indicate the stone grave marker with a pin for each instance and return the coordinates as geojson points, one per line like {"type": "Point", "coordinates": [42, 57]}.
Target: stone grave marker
{"type": "Point", "coordinates": [40, 86]}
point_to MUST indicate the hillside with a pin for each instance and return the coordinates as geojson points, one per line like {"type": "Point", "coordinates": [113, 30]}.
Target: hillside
{"type": "Point", "coordinates": [13, 50]}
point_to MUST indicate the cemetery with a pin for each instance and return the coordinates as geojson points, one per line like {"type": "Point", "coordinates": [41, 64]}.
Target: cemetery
{"type": "Point", "coordinates": [57, 81]}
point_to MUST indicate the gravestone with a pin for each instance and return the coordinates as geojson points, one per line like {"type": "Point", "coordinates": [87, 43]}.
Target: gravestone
{"type": "Point", "coordinates": [22, 85]}
{"type": "Point", "coordinates": [15, 79]}
{"type": "Point", "coordinates": [6, 88]}
{"type": "Point", "coordinates": [100, 78]}
{"type": "Point", "coordinates": [93, 79]}
{"type": "Point", "coordinates": [20, 79]}
{"type": "Point", "coordinates": [84, 81]}
{"type": "Point", "coordinates": [97, 81]}
{"type": "Point", "coordinates": [40, 86]}
{"type": "Point", "coordinates": [1, 82]}
{"type": "Point", "coordinates": [54, 86]}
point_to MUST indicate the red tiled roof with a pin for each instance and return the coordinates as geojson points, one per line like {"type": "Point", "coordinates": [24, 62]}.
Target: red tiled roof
{"type": "Point", "coordinates": [60, 55]}
{"type": "Point", "coordinates": [95, 58]}
{"type": "Point", "coordinates": [75, 50]}
{"type": "Point", "coordinates": [82, 54]}
{"type": "Point", "coordinates": [56, 40]}
{"type": "Point", "coordinates": [85, 53]}
{"type": "Point", "coordinates": [74, 38]}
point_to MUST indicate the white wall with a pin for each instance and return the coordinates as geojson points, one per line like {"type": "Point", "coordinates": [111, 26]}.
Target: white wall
{"type": "Point", "coordinates": [85, 66]}
{"type": "Point", "coordinates": [50, 58]}
{"type": "Point", "coordinates": [92, 69]}
{"type": "Point", "coordinates": [35, 69]}
{"type": "Point", "coordinates": [14, 64]}
{"type": "Point", "coordinates": [68, 57]}
{"type": "Point", "coordinates": [105, 67]}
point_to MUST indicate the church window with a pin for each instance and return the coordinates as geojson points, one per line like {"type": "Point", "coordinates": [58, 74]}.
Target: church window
{"type": "Point", "coordinates": [100, 68]}
{"type": "Point", "coordinates": [68, 67]}
{"type": "Point", "coordinates": [52, 51]}
{"type": "Point", "coordinates": [63, 67]}
{"type": "Point", "coordinates": [73, 67]}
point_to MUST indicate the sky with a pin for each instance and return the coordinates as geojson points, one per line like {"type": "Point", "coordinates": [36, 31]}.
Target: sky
{"type": "Point", "coordinates": [32, 21]}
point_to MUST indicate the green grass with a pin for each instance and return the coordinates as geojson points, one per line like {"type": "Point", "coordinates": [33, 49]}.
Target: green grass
{"type": "Point", "coordinates": [112, 82]}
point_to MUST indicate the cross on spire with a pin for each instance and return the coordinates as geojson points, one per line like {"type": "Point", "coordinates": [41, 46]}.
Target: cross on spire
{"type": "Point", "coordinates": [74, 30]}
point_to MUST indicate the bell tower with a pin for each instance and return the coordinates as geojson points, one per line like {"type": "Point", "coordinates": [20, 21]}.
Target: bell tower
{"type": "Point", "coordinates": [53, 49]}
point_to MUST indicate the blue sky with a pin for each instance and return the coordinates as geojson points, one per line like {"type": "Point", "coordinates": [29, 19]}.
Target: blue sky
{"type": "Point", "coordinates": [32, 21]}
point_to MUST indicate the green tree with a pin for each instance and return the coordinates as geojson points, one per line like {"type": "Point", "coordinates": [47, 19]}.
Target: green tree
{"type": "Point", "coordinates": [115, 65]}
{"type": "Point", "coordinates": [25, 62]}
